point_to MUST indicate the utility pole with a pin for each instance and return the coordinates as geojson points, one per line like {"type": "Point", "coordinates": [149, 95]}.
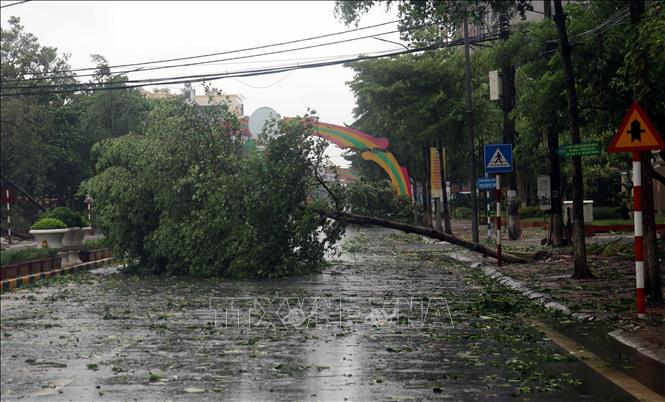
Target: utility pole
{"type": "Point", "coordinates": [469, 124]}
{"type": "Point", "coordinates": [507, 105]}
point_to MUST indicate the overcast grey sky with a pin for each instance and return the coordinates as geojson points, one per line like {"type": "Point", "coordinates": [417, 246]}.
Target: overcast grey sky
{"type": "Point", "coordinates": [128, 32]}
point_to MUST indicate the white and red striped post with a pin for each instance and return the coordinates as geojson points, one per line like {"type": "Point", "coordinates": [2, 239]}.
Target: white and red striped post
{"type": "Point", "coordinates": [639, 242]}
{"type": "Point", "coordinates": [498, 218]}
{"type": "Point", "coordinates": [9, 218]}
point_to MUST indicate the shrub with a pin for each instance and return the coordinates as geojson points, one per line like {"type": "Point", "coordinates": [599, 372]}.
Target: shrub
{"type": "Point", "coordinates": [67, 216]}
{"type": "Point", "coordinates": [49, 223]}
{"type": "Point", "coordinates": [530, 212]}
{"type": "Point", "coordinates": [461, 213]}
{"type": "Point", "coordinates": [96, 244]}
{"type": "Point", "coordinates": [25, 254]}
{"type": "Point", "coordinates": [378, 199]}
{"type": "Point", "coordinates": [610, 213]}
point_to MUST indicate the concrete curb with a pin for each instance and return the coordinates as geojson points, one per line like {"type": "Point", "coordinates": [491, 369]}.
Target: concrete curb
{"type": "Point", "coordinates": [540, 298]}
{"type": "Point", "coordinates": [643, 346]}
{"type": "Point", "coordinates": [10, 284]}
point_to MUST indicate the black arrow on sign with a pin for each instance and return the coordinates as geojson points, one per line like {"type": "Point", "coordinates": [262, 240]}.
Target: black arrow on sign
{"type": "Point", "coordinates": [635, 131]}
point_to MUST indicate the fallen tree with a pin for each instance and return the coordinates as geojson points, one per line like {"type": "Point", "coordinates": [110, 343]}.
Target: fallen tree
{"type": "Point", "coordinates": [421, 230]}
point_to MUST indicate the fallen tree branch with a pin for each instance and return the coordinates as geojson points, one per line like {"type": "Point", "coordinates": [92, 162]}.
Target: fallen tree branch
{"type": "Point", "coordinates": [421, 230]}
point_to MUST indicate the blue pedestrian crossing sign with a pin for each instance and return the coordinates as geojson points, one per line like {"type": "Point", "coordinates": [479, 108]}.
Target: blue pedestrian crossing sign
{"type": "Point", "coordinates": [498, 158]}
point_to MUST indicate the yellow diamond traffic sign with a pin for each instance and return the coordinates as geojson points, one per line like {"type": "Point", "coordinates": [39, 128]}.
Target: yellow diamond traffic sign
{"type": "Point", "coordinates": [636, 133]}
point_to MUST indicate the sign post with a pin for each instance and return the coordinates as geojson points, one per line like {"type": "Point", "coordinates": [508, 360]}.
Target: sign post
{"type": "Point", "coordinates": [637, 134]}
{"type": "Point", "coordinates": [487, 183]}
{"type": "Point", "coordinates": [498, 158]}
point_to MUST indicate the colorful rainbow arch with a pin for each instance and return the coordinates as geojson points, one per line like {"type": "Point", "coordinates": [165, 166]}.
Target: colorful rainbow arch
{"type": "Point", "coordinates": [371, 148]}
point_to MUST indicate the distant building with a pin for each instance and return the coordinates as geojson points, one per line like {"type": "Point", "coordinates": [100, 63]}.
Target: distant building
{"type": "Point", "coordinates": [211, 98]}
{"type": "Point", "coordinates": [214, 97]}
{"type": "Point", "coordinates": [157, 93]}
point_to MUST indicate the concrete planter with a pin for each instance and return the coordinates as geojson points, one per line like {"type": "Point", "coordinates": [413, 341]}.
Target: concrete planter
{"type": "Point", "coordinates": [51, 238]}
{"type": "Point", "coordinates": [94, 255]}
{"type": "Point", "coordinates": [9, 271]}
{"type": "Point", "coordinates": [25, 268]}
{"type": "Point", "coordinates": [73, 237]}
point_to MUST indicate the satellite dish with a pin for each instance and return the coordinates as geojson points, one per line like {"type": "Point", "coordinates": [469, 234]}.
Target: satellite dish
{"type": "Point", "coordinates": [258, 120]}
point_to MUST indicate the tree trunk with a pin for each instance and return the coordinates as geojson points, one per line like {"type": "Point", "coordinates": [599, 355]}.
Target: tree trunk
{"type": "Point", "coordinates": [471, 134]}
{"type": "Point", "coordinates": [421, 230]}
{"type": "Point", "coordinates": [556, 212]}
{"type": "Point", "coordinates": [507, 104]}
{"type": "Point", "coordinates": [447, 227]}
{"type": "Point", "coordinates": [652, 282]}
{"type": "Point", "coordinates": [579, 246]}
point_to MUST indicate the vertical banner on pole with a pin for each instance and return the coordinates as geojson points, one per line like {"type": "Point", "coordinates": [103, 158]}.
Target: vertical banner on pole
{"type": "Point", "coordinates": [435, 173]}
{"type": "Point", "coordinates": [637, 134]}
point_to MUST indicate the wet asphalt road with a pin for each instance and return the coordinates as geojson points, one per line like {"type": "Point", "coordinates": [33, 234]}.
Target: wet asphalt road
{"type": "Point", "coordinates": [398, 319]}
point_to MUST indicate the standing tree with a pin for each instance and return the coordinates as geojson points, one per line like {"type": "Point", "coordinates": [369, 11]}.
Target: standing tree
{"type": "Point", "coordinates": [581, 270]}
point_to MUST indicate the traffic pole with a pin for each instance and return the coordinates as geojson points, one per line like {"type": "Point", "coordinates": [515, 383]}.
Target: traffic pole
{"type": "Point", "coordinates": [487, 207]}
{"type": "Point", "coordinates": [498, 218]}
{"type": "Point", "coordinates": [489, 218]}
{"type": "Point", "coordinates": [639, 233]}
{"type": "Point", "coordinates": [9, 218]}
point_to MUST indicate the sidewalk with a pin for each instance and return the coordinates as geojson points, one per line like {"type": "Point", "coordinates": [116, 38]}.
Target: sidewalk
{"type": "Point", "coordinates": [609, 298]}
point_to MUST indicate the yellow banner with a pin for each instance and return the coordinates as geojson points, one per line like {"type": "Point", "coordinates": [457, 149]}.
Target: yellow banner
{"type": "Point", "coordinates": [435, 172]}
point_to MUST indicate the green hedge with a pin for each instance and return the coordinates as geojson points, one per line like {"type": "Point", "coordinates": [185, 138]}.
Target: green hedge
{"type": "Point", "coordinates": [530, 212]}
{"type": "Point", "coordinates": [461, 213]}
{"type": "Point", "coordinates": [96, 244]}
{"type": "Point", "coordinates": [49, 223]}
{"type": "Point", "coordinates": [25, 254]}
{"type": "Point", "coordinates": [600, 213]}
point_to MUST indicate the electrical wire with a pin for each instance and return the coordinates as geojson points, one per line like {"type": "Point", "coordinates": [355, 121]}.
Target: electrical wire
{"type": "Point", "coordinates": [230, 58]}
{"type": "Point", "coordinates": [14, 4]}
{"type": "Point", "coordinates": [266, 86]}
{"type": "Point", "coordinates": [245, 73]}
{"type": "Point", "coordinates": [213, 54]}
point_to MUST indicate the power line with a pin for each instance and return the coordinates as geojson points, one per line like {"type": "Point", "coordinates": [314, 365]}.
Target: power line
{"type": "Point", "coordinates": [249, 73]}
{"type": "Point", "coordinates": [265, 86]}
{"type": "Point", "coordinates": [14, 4]}
{"type": "Point", "coordinates": [213, 61]}
{"type": "Point", "coordinates": [220, 53]}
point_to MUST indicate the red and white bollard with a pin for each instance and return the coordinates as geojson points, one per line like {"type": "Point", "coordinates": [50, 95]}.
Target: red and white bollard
{"type": "Point", "coordinates": [498, 218]}
{"type": "Point", "coordinates": [9, 219]}
{"type": "Point", "coordinates": [639, 233]}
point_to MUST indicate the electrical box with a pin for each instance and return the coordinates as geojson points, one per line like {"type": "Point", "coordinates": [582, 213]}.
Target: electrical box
{"type": "Point", "coordinates": [587, 210]}
{"type": "Point", "coordinates": [496, 91]}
